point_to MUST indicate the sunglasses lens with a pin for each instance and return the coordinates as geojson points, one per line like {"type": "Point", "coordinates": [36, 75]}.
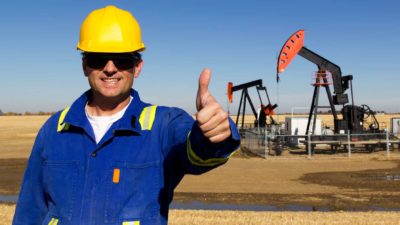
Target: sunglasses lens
{"type": "Point", "coordinates": [96, 62]}
{"type": "Point", "coordinates": [124, 63]}
{"type": "Point", "coordinates": [99, 61]}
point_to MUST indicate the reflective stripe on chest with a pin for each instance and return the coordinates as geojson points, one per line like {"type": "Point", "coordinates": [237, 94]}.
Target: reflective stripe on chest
{"type": "Point", "coordinates": [61, 125]}
{"type": "Point", "coordinates": [147, 117]}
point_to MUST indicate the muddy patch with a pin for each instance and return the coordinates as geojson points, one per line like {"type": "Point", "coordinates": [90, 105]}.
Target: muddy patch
{"type": "Point", "coordinates": [377, 189]}
{"type": "Point", "coordinates": [283, 202]}
{"type": "Point", "coordinates": [11, 173]}
{"type": "Point", "coordinates": [378, 180]}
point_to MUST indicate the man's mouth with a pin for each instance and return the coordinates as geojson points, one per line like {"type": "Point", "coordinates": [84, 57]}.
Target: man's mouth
{"type": "Point", "coordinates": [110, 80]}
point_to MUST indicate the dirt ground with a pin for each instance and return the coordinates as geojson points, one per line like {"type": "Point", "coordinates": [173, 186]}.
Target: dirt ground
{"type": "Point", "coordinates": [367, 182]}
{"type": "Point", "coordinates": [358, 183]}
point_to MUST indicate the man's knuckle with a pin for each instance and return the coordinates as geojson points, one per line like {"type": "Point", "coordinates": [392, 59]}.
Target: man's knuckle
{"type": "Point", "coordinates": [226, 126]}
{"type": "Point", "coordinates": [224, 115]}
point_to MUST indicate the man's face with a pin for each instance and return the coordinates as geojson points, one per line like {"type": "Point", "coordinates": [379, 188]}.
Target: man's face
{"type": "Point", "coordinates": [111, 75]}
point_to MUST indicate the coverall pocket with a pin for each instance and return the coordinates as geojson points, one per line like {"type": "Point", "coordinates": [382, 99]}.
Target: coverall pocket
{"type": "Point", "coordinates": [135, 194]}
{"type": "Point", "coordinates": [60, 184]}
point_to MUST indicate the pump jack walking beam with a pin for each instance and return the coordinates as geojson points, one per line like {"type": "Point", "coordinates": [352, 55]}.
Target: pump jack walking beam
{"type": "Point", "coordinates": [294, 46]}
{"type": "Point", "coordinates": [245, 97]}
{"type": "Point", "coordinates": [267, 110]}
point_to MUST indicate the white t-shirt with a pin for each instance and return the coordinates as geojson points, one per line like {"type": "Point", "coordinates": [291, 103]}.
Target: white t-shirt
{"type": "Point", "coordinates": [101, 124]}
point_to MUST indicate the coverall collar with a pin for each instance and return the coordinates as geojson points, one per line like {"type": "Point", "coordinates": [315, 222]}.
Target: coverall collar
{"type": "Point", "coordinates": [130, 120]}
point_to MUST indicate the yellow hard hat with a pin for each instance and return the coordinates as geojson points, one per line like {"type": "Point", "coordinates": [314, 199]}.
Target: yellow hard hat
{"type": "Point", "coordinates": [110, 30]}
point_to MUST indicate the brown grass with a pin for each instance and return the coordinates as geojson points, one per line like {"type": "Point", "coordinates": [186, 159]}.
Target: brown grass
{"type": "Point", "coordinates": [17, 134]}
{"type": "Point", "coordinates": [203, 217]}
{"type": "Point", "coordinates": [200, 217]}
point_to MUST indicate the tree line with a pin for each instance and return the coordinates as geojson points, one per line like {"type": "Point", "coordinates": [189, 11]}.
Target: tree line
{"type": "Point", "coordinates": [40, 113]}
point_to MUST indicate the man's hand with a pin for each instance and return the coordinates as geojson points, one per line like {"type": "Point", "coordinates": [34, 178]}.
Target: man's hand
{"type": "Point", "coordinates": [212, 119]}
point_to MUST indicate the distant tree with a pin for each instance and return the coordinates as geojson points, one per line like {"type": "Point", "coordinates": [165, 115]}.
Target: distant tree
{"type": "Point", "coordinates": [1, 113]}
{"type": "Point", "coordinates": [12, 114]}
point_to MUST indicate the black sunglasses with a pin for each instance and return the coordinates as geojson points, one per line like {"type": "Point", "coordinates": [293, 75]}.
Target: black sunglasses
{"type": "Point", "coordinates": [123, 61]}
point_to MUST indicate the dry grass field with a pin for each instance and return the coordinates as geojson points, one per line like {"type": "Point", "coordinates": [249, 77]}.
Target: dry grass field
{"type": "Point", "coordinates": [339, 185]}
{"type": "Point", "coordinates": [203, 217]}
{"type": "Point", "coordinates": [17, 134]}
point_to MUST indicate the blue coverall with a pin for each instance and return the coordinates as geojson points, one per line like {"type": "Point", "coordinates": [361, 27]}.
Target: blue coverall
{"type": "Point", "coordinates": [128, 178]}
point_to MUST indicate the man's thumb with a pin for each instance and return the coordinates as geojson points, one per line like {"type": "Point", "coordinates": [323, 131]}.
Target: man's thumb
{"type": "Point", "coordinates": [204, 80]}
{"type": "Point", "coordinates": [202, 91]}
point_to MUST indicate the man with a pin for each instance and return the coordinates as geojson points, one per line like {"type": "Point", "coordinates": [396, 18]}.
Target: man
{"type": "Point", "coordinates": [111, 158]}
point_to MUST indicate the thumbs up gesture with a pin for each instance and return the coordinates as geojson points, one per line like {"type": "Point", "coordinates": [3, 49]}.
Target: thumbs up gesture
{"type": "Point", "coordinates": [212, 119]}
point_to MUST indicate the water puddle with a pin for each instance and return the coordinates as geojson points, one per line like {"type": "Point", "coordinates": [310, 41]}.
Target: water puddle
{"type": "Point", "coordinates": [197, 205]}
{"type": "Point", "coordinates": [9, 198]}
{"type": "Point", "coordinates": [386, 177]}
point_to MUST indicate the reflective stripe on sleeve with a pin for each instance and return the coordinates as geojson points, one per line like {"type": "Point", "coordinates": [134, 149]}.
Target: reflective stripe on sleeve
{"type": "Point", "coordinates": [197, 161]}
{"type": "Point", "coordinates": [147, 117]}
{"type": "Point", "coordinates": [53, 221]}
{"type": "Point", "coordinates": [131, 222]}
{"type": "Point", "coordinates": [61, 125]}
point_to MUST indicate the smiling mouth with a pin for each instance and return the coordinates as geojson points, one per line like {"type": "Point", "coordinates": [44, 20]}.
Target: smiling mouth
{"type": "Point", "coordinates": [111, 80]}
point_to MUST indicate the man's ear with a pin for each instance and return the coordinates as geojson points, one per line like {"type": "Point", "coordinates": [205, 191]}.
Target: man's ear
{"type": "Point", "coordinates": [138, 69]}
{"type": "Point", "coordinates": [84, 67]}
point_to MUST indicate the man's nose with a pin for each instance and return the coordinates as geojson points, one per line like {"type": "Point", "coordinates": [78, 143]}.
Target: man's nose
{"type": "Point", "coordinates": [110, 68]}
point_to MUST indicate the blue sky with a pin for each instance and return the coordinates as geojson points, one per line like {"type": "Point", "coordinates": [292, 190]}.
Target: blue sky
{"type": "Point", "coordinates": [238, 40]}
